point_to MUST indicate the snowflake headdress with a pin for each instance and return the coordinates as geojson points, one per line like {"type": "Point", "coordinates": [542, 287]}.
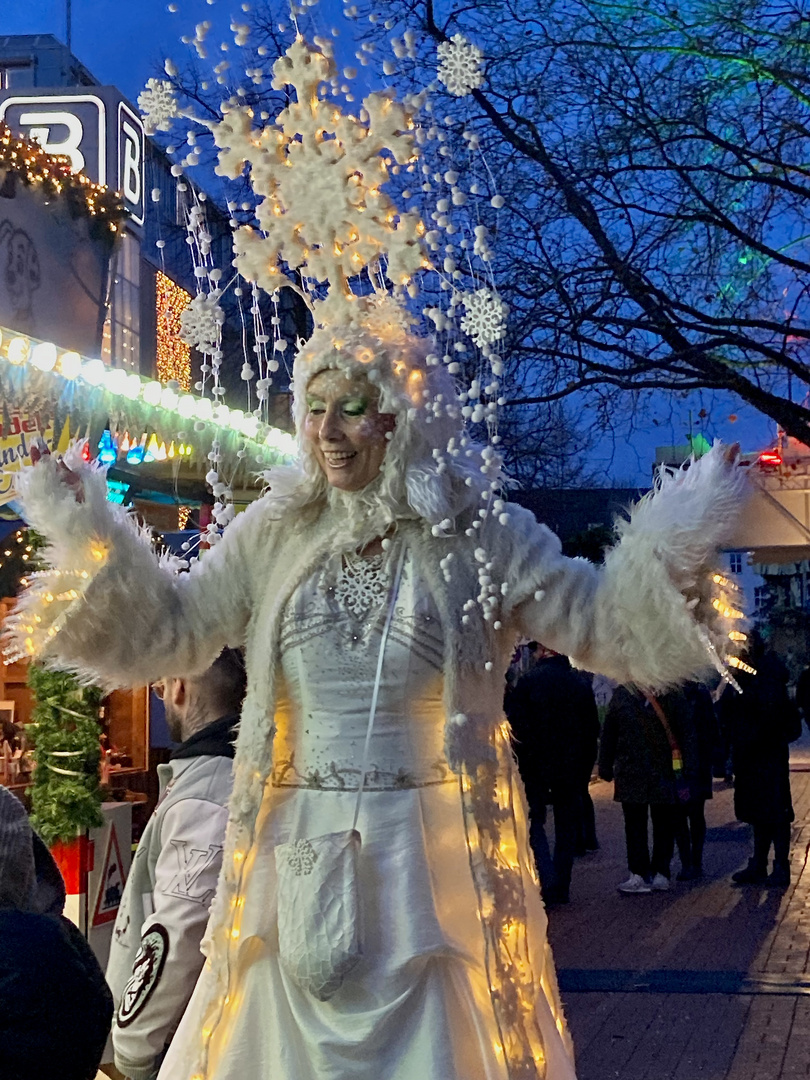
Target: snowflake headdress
{"type": "Point", "coordinates": [319, 175]}
{"type": "Point", "coordinates": [325, 227]}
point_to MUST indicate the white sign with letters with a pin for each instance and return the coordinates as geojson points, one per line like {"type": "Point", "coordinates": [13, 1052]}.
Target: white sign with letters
{"type": "Point", "coordinates": [101, 135]}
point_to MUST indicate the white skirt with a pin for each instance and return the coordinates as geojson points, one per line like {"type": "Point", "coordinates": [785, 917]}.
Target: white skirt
{"type": "Point", "coordinates": [417, 1006]}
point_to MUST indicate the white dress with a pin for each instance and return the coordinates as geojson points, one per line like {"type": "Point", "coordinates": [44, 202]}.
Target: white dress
{"type": "Point", "coordinates": [418, 1005]}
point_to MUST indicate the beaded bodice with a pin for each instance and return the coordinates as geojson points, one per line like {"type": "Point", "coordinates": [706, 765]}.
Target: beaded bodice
{"type": "Point", "coordinates": [329, 646]}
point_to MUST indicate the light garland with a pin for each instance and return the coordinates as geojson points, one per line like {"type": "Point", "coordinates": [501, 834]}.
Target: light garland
{"type": "Point", "coordinates": [173, 354]}
{"type": "Point", "coordinates": [29, 162]}
{"type": "Point", "coordinates": [68, 366]}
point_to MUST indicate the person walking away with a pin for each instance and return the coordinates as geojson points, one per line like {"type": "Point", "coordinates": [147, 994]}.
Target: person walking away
{"type": "Point", "coordinates": [554, 720]}
{"type": "Point", "coordinates": [636, 754]}
{"type": "Point", "coordinates": [699, 738]}
{"type": "Point", "coordinates": [55, 1008]}
{"type": "Point", "coordinates": [762, 722]}
{"type": "Point", "coordinates": [155, 956]}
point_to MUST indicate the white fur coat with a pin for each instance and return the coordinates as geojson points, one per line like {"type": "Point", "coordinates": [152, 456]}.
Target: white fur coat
{"type": "Point", "coordinates": [632, 619]}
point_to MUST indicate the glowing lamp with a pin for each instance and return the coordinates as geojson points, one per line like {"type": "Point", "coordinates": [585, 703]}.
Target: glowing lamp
{"type": "Point", "coordinates": [152, 449]}
{"type": "Point", "coordinates": [43, 356]}
{"type": "Point", "coordinates": [205, 409]}
{"type": "Point", "coordinates": [186, 406]}
{"type": "Point", "coordinates": [151, 392]}
{"type": "Point", "coordinates": [169, 399]}
{"type": "Point", "coordinates": [132, 386]}
{"type": "Point", "coordinates": [161, 454]}
{"type": "Point", "coordinates": [115, 380]}
{"type": "Point", "coordinates": [770, 458]}
{"type": "Point", "coordinates": [17, 351]}
{"type": "Point", "coordinates": [107, 452]}
{"type": "Point", "coordinates": [93, 371]}
{"type": "Point", "coordinates": [136, 454]}
{"type": "Point", "coordinates": [70, 365]}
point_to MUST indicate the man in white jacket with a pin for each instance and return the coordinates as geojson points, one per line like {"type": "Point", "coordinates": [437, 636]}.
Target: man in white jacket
{"type": "Point", "coordinates": [155, 956]}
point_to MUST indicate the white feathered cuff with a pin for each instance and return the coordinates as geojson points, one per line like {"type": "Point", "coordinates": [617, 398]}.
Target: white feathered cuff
{"type": "Point", "coordinates": [80, 538]}
{"type": "Point", "coordinates": [689, 514]}
{"type": "Point", "coordinates": [665, 568]}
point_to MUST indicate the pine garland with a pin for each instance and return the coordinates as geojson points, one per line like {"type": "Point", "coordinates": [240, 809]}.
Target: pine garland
{"type": "Point", "coordinates": [27, 162]}
{"type": "Point", "coordinates": [66, 793]}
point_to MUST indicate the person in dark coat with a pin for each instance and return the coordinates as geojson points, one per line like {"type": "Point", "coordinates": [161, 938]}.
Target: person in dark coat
{"type": "Point", "coordinates": [762, 722]}
{"type": "Point", "coordinates": [803, 695]}
{"type": "Point", "coordinates": [635, 753]}
{"type": "Point", "coordinates": [698, 739]}
{"type": "Point", "coordinates": [55, 1007]}
{"type": "Point", "coordinates": [555, 724]}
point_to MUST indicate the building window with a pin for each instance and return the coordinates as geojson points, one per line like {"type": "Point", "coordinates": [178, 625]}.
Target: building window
{"type": "Point", "coordinates": [735, 562]}
{"type": "Point", "coordinates": [762, 596]}
{"type": "Point", "coordinates": [173, 355]}
{"type": "Point", "coordinates": [121, 343]}
{"type": "Point", "coordinates": [13, 76]}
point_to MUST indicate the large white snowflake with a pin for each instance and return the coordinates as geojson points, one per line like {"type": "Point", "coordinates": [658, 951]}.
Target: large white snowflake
{"type": "Point", "coordinates": [200, 322]}
{"type": "Point", "coordinates": [158, 105]}
{"type": "Point", "coordinates": [320, 173]}
{"type": "Point", "coordinates": [485, 318]}
{"type": "Point", "coordinates": [460, 67]}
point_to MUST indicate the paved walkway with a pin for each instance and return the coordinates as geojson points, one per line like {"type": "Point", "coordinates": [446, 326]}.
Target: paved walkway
{"type": "Point", "coordinates": [706, 982]}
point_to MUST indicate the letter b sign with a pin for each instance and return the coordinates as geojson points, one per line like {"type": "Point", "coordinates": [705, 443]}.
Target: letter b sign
{"type": "Point", "coordinates": [131, 150]}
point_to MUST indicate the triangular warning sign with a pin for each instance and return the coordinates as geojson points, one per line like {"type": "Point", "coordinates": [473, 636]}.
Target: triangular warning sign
{"type": "Point", "coordinates": [111, 883]}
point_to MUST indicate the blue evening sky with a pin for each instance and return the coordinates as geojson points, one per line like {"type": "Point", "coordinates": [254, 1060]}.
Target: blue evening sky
{"type": "Point", "coordinates": [123, 43]}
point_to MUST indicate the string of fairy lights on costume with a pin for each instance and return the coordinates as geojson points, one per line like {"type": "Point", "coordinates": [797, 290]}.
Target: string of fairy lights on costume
{"type": "Point", "coordinates": [173, 355]}
{"type": "Point", "coordinates": [12, 550]}
{"type": "Point", "coordinates": [53, 175]}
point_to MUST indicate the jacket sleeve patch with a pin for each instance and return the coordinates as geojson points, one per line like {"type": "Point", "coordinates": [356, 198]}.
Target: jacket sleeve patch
{"type": "Point", "coordinates": [146, 972]}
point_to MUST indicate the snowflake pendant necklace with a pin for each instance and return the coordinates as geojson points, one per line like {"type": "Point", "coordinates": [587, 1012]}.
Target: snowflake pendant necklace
{"type": "Point", "coordinates": [362, 584]}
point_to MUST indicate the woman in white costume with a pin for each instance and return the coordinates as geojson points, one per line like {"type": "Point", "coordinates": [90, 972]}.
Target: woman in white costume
{"type": "Point", "coordinates": [363, 575]}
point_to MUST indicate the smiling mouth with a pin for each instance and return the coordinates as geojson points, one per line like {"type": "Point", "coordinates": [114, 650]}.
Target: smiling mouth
{"type": "Point", "coordinates": [339, 459]}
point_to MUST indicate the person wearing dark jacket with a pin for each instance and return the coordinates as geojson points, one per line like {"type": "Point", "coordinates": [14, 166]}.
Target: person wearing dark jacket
{"type": "Point", "coordinates": [636, 754]}
{"type": "Point", "coordinates": [698, 740]}
{"type": "Point", "coordinates": [555, 724]}
{"type": "Point", "coordinates": [55, 1007]}
{"type": "Point", "coordinates": [762, 722]}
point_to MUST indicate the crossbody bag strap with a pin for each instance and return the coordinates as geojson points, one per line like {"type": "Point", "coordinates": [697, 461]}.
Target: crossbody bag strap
{"type": "Point", "coordinates": [377, 678]}
{"type": "Point", "coordinates": [677, 757]}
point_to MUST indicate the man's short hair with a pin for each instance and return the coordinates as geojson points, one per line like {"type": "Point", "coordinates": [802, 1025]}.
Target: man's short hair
{"type": "Point", "coordinates": [225, 682]}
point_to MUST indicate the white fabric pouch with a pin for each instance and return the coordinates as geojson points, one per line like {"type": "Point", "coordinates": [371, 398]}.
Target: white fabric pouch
{"type": "Point", "coordinates": [319, 933]}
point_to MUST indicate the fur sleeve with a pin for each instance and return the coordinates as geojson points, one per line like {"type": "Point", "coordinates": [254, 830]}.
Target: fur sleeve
{"type": "Point", "coordinates": [646, 616]}
{"type": "Point", "coordinates": [105, 607]}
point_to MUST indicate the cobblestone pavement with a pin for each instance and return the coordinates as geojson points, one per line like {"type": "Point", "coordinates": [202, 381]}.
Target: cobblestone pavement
{"type": "Point", "coordinates": [705, 982]}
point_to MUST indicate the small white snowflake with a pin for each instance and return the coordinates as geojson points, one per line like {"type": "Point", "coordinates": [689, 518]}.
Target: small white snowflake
{"type": "Point", "coordinates": [200, 322]}
{"type": "Point", "coordinates": [460, 67]}
{"type": "Point", "coordinates": [158, 105]}
{"type": "Point", "coordinates": [485, 319]}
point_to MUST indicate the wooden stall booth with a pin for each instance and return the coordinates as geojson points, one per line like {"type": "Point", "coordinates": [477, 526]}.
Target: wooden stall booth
{"type": "Point", "coordinates": [123, 730]}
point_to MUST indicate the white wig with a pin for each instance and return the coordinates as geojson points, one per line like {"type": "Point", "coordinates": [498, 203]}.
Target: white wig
{"type": "Point", "coordinates": [431, 469]}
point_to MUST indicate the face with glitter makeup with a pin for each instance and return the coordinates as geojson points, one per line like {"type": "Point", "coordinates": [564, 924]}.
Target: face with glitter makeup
{"type": "Point", "coordinates": [345, 429]}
